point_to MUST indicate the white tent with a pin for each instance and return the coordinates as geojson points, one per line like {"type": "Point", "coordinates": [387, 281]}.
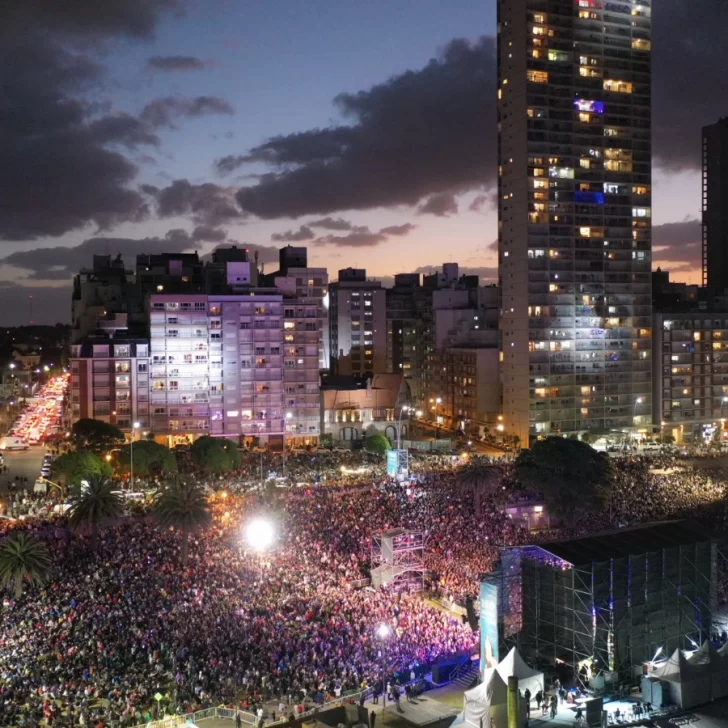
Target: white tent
{"type": "Point", "coordinates": [513, 664]}
{"type": "Point", "coordinates": [716, 662]}
{"type": "Point", "coordinates": [689, 682]}
{"type": "Point", "coordinates": [486, 704]}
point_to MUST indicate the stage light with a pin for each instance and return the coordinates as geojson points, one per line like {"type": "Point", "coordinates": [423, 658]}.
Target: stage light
{"type": "Point", "coordinates": [260, 534]}
{"type": "Point", "coordinates": [658, 653]}
{"type": "Point", "coordinates": [383, 631]}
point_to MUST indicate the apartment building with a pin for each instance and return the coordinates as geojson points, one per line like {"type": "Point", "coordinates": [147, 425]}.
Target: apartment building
{"type": "Point", "coordinates": [110, 381]}
{"type": "Point", "coordinates": [357, 324]}
{"type": "Point", "coordinates": [574, 186]}
{"type": "Point", "coordinates": [715, 206]}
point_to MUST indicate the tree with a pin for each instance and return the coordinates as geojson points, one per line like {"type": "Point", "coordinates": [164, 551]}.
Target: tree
{"type": "Point", "coordinates": [150, 458]}
{"type": "Point", "coordinates": [233, 452]}
{"type": "Point", "coordinates": [24, 558]}
{"type": "Point", "coordinates": [212, 454]}
{"type": "Point", "coordinates": [183, 506]}
{"type": "Point", "coordinates": [480, 480]}
{"type": "Point", "coordinates": [377, 444]}
{"type": "Point", "coordinates": [73, 467]}
{"type": "Point", "coordinates": [97, 436]}
{"type": "Point", "coordinates": [95, 506]}
{"type": "Point", "coordinates": [570, 474]}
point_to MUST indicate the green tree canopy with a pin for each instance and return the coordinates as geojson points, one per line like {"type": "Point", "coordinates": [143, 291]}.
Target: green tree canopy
{"type": "Point", "coordinates": [571, 475]}
{"type": "Point", "coordinates": [97, 436]}
{"type": "Point", "coordinates": [95, 506]}
{"type": "Point", "coordinates": [150, 458]}
{"type": "Point", "coordinates": [377, 444]}
{"type": "Point", "coordinates": [73, 467]}
{"type": "Point", "coordinates": [481, 480]}
{"type": "Point", "coordinates": [214, 455]}
{"type": "Point", "coordinates": [183, 506]}
{"type": "Point", "coordinates": [24, 558]}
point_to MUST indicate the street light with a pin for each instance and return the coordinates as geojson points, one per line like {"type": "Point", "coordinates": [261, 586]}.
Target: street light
{"type": "Point", "coordinates": [438, 400]}
{"type": "Point", "coordinates": [383, 632]}
{"type": "Point", "coordinates": [260, 535]}
{"type": "Point", "coordinates": [404, 408]}
{"type": "Point", "coordinates": [135, 426]}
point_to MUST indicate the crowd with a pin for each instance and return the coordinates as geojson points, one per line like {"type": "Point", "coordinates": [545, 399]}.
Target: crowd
{"type": "Point", "coordinates": [113, 628]}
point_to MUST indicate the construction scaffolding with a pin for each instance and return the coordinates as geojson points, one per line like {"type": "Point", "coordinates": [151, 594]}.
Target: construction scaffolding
{"type": "Point", "coordinates": [606, 604]}
{"type": "Point", "coordinates": [398, 560]}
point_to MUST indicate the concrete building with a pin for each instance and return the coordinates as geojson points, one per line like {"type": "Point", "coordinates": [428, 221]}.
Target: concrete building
{"type": "Point", "coordinates": [352, 410]}
{"type": "Point", "coordinates": [110, 381]}
{"type": "Point", "coordinates": [357, 324]}
{"type": "Point", "coordinates": [574, 186]}
{"type": "Point", "coordinates": [409, 314]}
{"type": "Point", "coordinates": [690, 354]}
{"type": "Point", "coordinates": [226, 359]}
{"type": "Point", "coordinates": [715, 206]}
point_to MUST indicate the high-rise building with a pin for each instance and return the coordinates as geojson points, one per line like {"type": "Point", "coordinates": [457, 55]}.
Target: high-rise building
{"type": "Point", "coordinates": [715, 206]}
{"type": "Point", "coordinates": [574, 186]}
{"type": "Point", "coordinates": [357, 324]}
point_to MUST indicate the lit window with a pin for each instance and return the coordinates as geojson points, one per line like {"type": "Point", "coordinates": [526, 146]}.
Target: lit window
{"type": "Point", "coordinates": [537, 76]}
{"type": "Point", "coordinates": [621, 87]}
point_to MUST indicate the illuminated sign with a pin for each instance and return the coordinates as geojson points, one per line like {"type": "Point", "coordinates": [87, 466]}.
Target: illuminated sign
{"type": "Point", "coordinates": [392, 463]}
{"type": "Point", "coordinates": [488, 625]}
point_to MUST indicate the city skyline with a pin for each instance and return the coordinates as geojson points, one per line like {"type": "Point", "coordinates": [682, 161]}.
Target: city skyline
{"type": "Point", "coordinates": [160, 130]}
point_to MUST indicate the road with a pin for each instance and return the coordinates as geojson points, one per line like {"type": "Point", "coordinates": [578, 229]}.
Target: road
{"type": "Point", "coordinates": [23, 463]}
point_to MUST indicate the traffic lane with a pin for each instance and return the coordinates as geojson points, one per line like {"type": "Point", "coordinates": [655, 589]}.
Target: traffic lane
{"type": "Point", "coordinates": [23, 463]}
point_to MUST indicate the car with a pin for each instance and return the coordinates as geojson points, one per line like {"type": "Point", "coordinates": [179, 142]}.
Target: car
{"type": "Point", "coordinates": [652, 447]}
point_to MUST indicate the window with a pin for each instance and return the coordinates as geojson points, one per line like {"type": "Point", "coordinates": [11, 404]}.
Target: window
{"type": "Point", "coordinates": [641, 212]}
{"type": "Point", "coordinates": [621, 87]}
{"type": "Point", "coordinates": [537, 76]}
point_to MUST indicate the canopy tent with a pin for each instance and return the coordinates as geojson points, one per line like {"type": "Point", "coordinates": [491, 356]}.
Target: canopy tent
{"type": "Point", "coordinates": [689, 682]}
{"type": "Point", "coordinates": [716, 662]}
{"type": "Point", "coordinates": [513, 664]}
{"type": "Point", "coordinates": [486, 704]}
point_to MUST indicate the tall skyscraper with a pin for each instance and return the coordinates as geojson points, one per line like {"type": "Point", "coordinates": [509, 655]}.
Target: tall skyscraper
{"type": "Point", "coordinates": [574, 182]}
{"type": "Point", "coordinates": [715, 206]}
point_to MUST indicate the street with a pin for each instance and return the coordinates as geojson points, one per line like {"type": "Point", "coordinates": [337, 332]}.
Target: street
{"type": "Point", "coordinates": [25, 463]}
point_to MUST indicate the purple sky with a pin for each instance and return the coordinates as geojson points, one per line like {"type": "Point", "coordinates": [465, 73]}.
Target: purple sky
{"type": "Point", "coordinates": [363, 130]}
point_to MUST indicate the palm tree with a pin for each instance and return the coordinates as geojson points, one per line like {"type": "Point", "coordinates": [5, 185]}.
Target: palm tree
{"type": "Point", "coordinates": [183, 506]}
{"type": "Point", "coordinates": [24, 558]}
{"type": "Point", "coordinates": [480, 480]}
{"type": "Point", "coordinates": [95, 506]}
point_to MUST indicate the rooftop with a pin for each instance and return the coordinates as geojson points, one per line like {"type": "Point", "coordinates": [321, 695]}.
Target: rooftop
{"type": "Point", "coordinates": [628, 541]}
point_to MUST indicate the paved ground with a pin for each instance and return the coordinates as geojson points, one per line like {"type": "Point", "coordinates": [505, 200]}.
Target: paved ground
{"type": "Point", "coordinates": [24, 463]}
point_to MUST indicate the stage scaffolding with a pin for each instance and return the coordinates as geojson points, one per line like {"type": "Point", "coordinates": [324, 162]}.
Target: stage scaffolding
{"type": "Point", "coordinates": [601, 603]}
{"type": "Point", "coordinates": [398, 560]}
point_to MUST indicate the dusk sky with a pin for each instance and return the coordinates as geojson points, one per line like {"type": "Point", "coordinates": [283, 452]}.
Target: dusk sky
{"type": "Point", "coordinates": [362, 129]}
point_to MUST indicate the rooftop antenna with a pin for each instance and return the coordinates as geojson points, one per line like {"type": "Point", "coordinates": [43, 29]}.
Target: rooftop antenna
{"type": "Point", "coordinates": [30, 305]}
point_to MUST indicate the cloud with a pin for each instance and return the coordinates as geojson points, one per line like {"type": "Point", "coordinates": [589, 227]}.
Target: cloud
{"type": "Point", "coordinates": [689, 58]}
{"type": "Point", "coordinates": [352, 240]}
{"type": "Point", "coordinates": [294, 236]}
{"type": "Point", "coordinates": [207, 234]}
{"type": "Point", "coordinates": [417, 134]}
{"type": "Point", "coordinates": [480, 201]}
{"type": "Point", "coordinates": [207, 204]}
{"type": "Point", "coordinates": [165, 111]}
{"type": "Point", "coordinates": [441, 205]}
{"type": "Point", "coordinates": [228, 164]}
{"type": "Point", "coordinates": [405, 229]}
{"type": "Point", "coordinates": [678, 246]}
{"type": "Point", "coordinates": [330, 223]}
{"type": "Point", "coordinates": [176, 63]}
{"type": "Point", "coordinates": [56, 172]}
{"type": "Point", "coordinates": [362, 236]}
{"type": "Point", "coordinates": [61, 263]}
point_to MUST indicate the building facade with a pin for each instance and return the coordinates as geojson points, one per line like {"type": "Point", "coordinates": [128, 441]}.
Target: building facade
{"type": "Point", "coordinates": [574, 185]}
{"type": "Point", "coordinates": [690, 353]}
{"type": "Point", "coordinates": [357, 324]}
{"type": "Point", "coordinates": [715, 206]}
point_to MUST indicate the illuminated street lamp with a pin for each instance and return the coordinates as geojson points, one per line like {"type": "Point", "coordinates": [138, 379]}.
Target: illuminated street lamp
{"type": "Point", "coordinates": [404, 408]}
{"type": "Point", "coordinates": [289, 416]}
{"type": "Point", "coordinates": [260, 535]}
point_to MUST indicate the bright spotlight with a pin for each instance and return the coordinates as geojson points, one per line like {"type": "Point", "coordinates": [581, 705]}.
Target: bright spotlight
{"type": "Point", "coordinates": [260, 534]}
{"type": "Point", "coordinates": [383, 631]}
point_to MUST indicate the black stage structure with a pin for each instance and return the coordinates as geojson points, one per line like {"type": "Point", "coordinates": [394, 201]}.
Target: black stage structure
{"type": "Point", "coordinates": [607, 604]}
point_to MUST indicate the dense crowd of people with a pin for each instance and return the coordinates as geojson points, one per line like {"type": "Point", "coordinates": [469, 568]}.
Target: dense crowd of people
{"type": "Point", "coordinates": [114, 627]}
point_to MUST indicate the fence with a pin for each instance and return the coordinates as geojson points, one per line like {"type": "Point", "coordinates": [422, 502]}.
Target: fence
{"type": "Point", "coordinates": [175, 721]}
